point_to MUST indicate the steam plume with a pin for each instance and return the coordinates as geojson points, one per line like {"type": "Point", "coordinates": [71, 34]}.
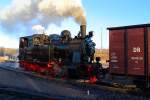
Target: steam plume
{"type": "Point", "coordinates": [38, 29]}
{"type": "Point", "coordinates": [32, 12]}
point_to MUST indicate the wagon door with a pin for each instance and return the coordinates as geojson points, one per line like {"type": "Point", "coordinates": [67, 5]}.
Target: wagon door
{"type": "Point", "coordinates": [135, 51]}
{"type": "Point", "coordinates": [116, 51]}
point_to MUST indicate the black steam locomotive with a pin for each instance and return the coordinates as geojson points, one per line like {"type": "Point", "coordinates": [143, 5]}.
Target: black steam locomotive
{"type": "Point", "coordinates": [58, 55]}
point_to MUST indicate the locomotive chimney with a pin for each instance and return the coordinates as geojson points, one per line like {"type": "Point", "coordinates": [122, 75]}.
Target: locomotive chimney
{"type": "Point", "coordinates": [83, 30]}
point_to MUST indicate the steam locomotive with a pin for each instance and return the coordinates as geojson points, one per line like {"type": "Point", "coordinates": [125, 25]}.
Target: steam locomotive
{"type": "Point", "coordinates": [58, 55]}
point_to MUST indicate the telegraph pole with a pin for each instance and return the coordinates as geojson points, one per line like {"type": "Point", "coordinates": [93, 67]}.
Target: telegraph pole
{"type": "Point", "coordinates": [101, 38]}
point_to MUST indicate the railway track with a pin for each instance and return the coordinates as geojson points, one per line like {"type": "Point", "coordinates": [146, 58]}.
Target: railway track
{"type": "Point", "coordinates": [82, 89]}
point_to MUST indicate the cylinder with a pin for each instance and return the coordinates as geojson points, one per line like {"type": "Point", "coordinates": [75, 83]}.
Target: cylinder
{"type": "Point", "coordinates": [83, 30]}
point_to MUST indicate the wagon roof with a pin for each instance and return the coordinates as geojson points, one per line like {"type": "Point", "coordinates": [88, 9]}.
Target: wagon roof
{"type": "Point", "coordinates": [130, 26]}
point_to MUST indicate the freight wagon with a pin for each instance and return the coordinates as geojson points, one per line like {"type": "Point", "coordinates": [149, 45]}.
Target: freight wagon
{"type": "Point", "coordinates": [129, 53]}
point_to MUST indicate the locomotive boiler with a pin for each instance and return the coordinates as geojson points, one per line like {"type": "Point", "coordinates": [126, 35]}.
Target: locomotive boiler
{"type": "Point", "coordinates": [58, 55]}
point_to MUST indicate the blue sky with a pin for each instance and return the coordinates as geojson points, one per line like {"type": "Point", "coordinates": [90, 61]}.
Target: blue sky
{"type": "Point", "coordinates": [100, 15]}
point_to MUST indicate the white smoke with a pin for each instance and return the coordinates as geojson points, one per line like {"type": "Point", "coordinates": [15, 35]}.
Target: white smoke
{"type": "Point", "coordinates": [26, 13]}
{"type": "Point", "coordinates": [38, 29]}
